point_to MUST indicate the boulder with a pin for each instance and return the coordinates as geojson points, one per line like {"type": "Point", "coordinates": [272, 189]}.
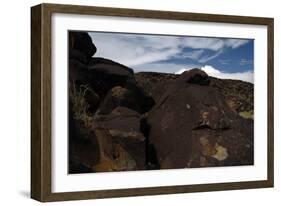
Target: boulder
{"type": "Point", "coordinates": [80, 43]}
{"type": "Point", "coordinates": [123, 144]}
{"type": "Point", "coordinates": [110, 65]}
{"type": "Point", "coordinates": [78, 55]}
{"type": "Point", "coordinates": [195, 76]}
{"type": "Point", "coordinates": [230, 147]}
{"type": "Point", "coordinates": [100, 75]}
{"type": "Point", "coordinates": [84, 150]}
{"type": "Point", "coordinates": [134, 99]}
{"type": "Point", "coordinates": [154, 84]}
{"type": "Point", "coordinates": [192, 126]}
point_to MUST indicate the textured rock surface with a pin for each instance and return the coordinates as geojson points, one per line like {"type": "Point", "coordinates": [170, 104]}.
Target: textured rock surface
{"type": "Point", "coordinates": [134, 99]}
{"type": "Point", "coordinates": [239, 95]}
{"type": "Point", "coordinates": [84, 151]}
{"type": "Point", "coordinates": [120, 120]}
{"type": "Point", "coordinates": [101, 77]}
{"type": "Point", "coordinates": [154, 84]}
{"type": "Point", "coordinates": [192, 121]}
{"type": "Point", "coordinates": [121, 129]}
{"type": "Point", "coordinates": [194, 76]}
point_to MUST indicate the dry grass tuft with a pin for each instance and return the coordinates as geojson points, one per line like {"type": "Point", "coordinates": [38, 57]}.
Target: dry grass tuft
{"type": "Point", "coordinates": [77, 97]}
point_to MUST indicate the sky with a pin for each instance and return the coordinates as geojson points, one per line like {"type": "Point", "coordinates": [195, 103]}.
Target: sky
{"type": "Point", "coordinates": [224, 58]}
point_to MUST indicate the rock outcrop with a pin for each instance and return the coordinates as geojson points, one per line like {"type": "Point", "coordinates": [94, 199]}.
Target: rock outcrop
{"type": "Point", "coordinates": [105, 112]}
{"type": "Point", "coordinates": [238, 95]}
{"type": "Point", "coordinates": [120, 120]}
{"type": "Point", "coordinates": [132, 98]}
{"type": "Point", "coordinates": [84, 151]}
{"type": "Point", "coordinates": [123, 141]}
{"type": "Point", "coordinates": [153, 83]}
{"type": "Point", "coordinates": [192, 126]}
{"type": "Point", "coordinates": [100, 77]}
{"type": "Point", "coordinates": [81, 46]}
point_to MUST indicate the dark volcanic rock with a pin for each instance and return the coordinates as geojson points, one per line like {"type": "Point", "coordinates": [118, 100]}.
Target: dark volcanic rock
{"type": "Point", "coordinates": [238, 95]}
{"type": "Point", "coordinates": [125, 121]}
{"type": "Point", "coordinates": [110, 67]}
{"type": "Point", "coordinates": [133, 99]}
{"type": "Point", "coordinates": [76, 54]}
{"type": "Point", "coordinates": [195, 76]}
{"type": "Point", "coordinates": [181, 120]}
{"type": "Point", "coordinates": [75, 167]}
{"type": "Point", "coordinates": [81, 46]}
{"type": "Point", "coordinates": [101, 77]}
{"type": "Point", "coordinates": [93, 100]}
{"type": "Point", "coordinates": [153, 83]}
{"type": "Point", "coordinates": [84, 150]}
{"type": "Point", "coordinates": [229, 147]}
{"type": "Point", "coordinates": [123, 144]}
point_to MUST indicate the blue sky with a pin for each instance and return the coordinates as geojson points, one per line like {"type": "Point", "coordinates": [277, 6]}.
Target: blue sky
{"type": "Point", "coordinates": [220, 57]}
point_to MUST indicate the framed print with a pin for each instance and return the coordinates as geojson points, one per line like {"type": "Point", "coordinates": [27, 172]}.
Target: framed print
{"type": "Point", "coordinates": [130, 102]}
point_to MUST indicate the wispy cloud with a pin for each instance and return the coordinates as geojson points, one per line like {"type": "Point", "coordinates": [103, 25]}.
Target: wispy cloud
{"type": "Point", "coordinates": [170, 54]}
{"type": "Point", "coordinates": [133, 50]}
{"type": "Point", "coordinates": [194, 55]}
{"type": "Point", "coordinates": [208, 57]}
{"type": "Point", "coordinates": [235, 43]}
{"type": "Point", "coordinates": [214, 44]}
{"type": "Point", "coordinates": [247, 76]}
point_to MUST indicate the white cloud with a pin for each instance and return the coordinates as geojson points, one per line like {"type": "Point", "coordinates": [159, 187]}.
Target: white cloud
{"type": "Point", "coordinates": [211, 70]}
{"type": "Point", "coordinates": [247, 76]}
{"type": "Point", "coordinates": [133, 50]}
{"type": "Point", "coordinates": [235, 43]}
{"type": "Point", "coordinates": [145, 52]}
{"type": "Point", "coordinates": [194, 55]}
{"type": "Point", "coordinates": [181, 71]}
{"type": "Point", "coordinates": [214, 44]}
{"type": "Point", "coordinates": [163, 67]}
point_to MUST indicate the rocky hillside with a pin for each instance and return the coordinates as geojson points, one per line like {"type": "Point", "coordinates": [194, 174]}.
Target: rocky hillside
{"type": "Point", "coordinates": [120, 120]}
{"type": "Point", "coordinates": [239, 95]}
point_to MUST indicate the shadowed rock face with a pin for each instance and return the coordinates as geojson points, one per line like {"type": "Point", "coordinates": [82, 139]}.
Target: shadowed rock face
{"type": "Point", "coordinates": [105, 131]}
{"type": "Point", "coordinates": [194, 76]}
{"type": "Point", "coordinates": [192, 126]}
{"type": "Point", "coordinates": [123, 120]}
{"type": "Point", "coordinates": [132, 98]}
{"type": "Point", "coordinates": [121, 128]}
{"type": "Point", "coordinates": [100, 77]}
{"type": "Point", "coordinates": [84, 151]}
{"type": "Point", "coordinates": [81, 46]}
